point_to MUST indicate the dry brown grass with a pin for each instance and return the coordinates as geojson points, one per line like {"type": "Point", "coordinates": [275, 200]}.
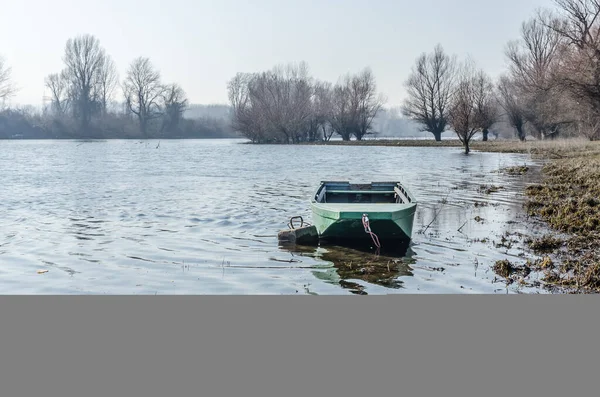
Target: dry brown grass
{"type": "Point", "coordinates": [568, 199]}
{"type": "Point", "coordinates": [556, 149]}
{"type": "Point", "coordinates": [569, 196]}
{"type": "Point", "coordinates": [545, 244]}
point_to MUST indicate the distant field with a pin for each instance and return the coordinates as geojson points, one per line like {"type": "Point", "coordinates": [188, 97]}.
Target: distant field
{"type": "Point", "coordinates": [560, 148]}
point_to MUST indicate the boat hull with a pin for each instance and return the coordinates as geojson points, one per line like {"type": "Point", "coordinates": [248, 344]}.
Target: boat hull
{"type": "Point", "coordinates": [393, 222]}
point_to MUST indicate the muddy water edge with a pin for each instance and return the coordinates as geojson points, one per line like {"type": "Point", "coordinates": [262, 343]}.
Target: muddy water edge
{"type": "Point", "coordinates": [568, 199]}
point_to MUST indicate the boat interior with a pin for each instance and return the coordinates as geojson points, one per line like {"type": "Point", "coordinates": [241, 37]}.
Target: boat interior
{"type": "Point", "coordinates": [375, 192]}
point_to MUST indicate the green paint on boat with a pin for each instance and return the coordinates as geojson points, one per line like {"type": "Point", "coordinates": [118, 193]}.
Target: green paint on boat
{"type": "Point", "coordinates": [338, 208]}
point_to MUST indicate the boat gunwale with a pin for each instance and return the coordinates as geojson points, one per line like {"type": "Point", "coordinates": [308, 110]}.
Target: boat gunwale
{"type": "Point", "coordinates": [407, 192]}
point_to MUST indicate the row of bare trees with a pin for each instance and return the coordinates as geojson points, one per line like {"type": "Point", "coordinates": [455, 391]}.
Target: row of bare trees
{"type": "Point", "coordinates": [471, 107]}
{"type": "Point", "coordinates": [89, 81]}
{"type": "Point", "coordinates": [83, 104]}
{"type": "Point", "coordinates": [443, 93]}
{"type": "Point", "coordinates": [551, 87]}
{"type": "Point", "coordinates": [287, 105]}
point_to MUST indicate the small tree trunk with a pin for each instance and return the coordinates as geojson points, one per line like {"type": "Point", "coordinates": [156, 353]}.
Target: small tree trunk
{"type": "Point", "coordinates": [437, 135]}
{"type": "Point", "coordinates": [520, 133]}
{"type": "Point", "coordinates": [143, 127]}
{"type": "Point", "coordinates": [467, 150]}
{"type": "Point", "coordinates": [485, 134]}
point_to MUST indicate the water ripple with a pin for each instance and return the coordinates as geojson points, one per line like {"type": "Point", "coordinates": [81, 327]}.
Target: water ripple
{"type": "Point", "coordinates": [202, 216]}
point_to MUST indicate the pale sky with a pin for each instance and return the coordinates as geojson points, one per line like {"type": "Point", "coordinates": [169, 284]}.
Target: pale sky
{"type": "Point", "coordinates": [201, 44]}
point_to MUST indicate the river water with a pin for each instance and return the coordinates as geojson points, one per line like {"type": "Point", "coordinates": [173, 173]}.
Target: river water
{"type": "Point", "coordinates": [202, 216]}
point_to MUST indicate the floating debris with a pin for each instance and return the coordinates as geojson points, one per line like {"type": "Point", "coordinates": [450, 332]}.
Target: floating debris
{"type": "Point", "coordinates": [546, 243]}
{"type": "Point", "coordinates": [517, 170]}
{"type": "Point", "coordinates": [510, 271]}
{"type": "Point", "coordinates": [489, 189]}
{"type": "Point", "coordinates": [503, 268]}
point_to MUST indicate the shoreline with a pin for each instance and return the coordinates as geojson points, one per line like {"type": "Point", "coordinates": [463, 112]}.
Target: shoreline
{"type": "Point", "coordinates": [501, 145]}
{"type": "Point", "coordinates": [534, 147]}
{"type": "Point", "coordinates": [567, 200]}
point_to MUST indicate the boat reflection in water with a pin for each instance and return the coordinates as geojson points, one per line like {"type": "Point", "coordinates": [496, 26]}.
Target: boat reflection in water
{"type": "Point", "coordinates": [355, 265]}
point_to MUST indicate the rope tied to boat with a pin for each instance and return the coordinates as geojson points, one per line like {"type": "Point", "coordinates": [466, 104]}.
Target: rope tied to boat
{"type": "Point", "coordinates": [365, 222]}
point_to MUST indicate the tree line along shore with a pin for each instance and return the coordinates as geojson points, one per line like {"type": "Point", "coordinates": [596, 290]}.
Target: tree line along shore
{"type": "Point", "coordinates": [550, 90]}
{"type": "Point", "coordinates": [87, 99]}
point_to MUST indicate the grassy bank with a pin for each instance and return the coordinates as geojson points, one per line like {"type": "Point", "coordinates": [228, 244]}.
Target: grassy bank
{"type": "Point", "coordinates": [568, 199]}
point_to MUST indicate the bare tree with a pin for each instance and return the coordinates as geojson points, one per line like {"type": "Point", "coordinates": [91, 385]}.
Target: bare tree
{"type": "Point", "coordinates": [108, 79]}
{"type": "Point", "coordinates": [58, 85]}
{"type": "Point", "coordinates": [296, 103]}
{"type": "Point", "coordinates": [534, 65]}
{"type": "Point", "coordinates": [174, 104]}
{"type": "Point", "coordinates": [322, 111]}
{"type": "Point", "coordinates": [366, 102]}
{"type": "Point", "coordinates": [6, 86]}
{"type": "Point", "coordinates": [534, 59]}
{"type": "Point", "coordinates": [355, 103]}
{"type": "Point", "coordinates": [267, 108]}
{"type": "Point", "coordinates": [84, 60]}
{"type": "Point", "coordinates": [463, 114]}
{"type": "Point", "coordinates": [286, 105]}
{"type": "Point", "coordinates": [589, 124]}
{"type": "Point", "coordinates": [142, 89]}
{"type": "Point", "coordinates": [577, 21]}
{"type": "Point", "coordinates": [242, 119]}
{"type": "Point", "coordinates": [511, 102]}
{"type": "Point", "coordinates": [547, 113]}
{"type": "Point", "coordinates": [274, 106]}
{"type": "Point", "coordinates": [429, 88]}
{"type": "Point", "coordinates": [248, 116]}
{"type": "Point", "coordinates": [343, 113]}
{"type": "Point", "coordinates": [485, 102]}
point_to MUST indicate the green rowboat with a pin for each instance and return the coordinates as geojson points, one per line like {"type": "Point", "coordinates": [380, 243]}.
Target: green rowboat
{"type": "Point", "coordinates": [340, 209]}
